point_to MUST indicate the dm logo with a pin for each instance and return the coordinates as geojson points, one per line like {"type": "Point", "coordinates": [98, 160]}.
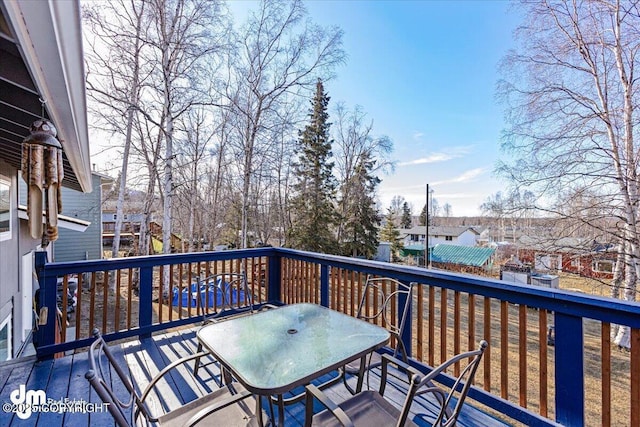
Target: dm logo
{"type": "Point", "coordinates": [26, 401]}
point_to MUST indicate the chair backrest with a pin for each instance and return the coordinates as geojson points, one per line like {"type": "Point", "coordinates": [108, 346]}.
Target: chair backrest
{"type": "Point", "coordinates": [223, 292]}
{"type": "Point", "coordinates": [387, 301]}
{"type": "Point", "coordinates": [459, 390]}
{"type": "Point", "coordinates": [124, 403]}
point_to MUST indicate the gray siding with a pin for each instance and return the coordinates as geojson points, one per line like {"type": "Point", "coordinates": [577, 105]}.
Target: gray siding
{"type": "Point", "coordinates": [11, 252]}
{"type": "Point", "coordinates": [74, 245]}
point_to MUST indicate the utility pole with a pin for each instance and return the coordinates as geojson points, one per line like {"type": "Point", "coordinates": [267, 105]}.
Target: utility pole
{"type": "Point", "coordinates": [427, 258]}
{"type": "Point", "coordinates": [427, 254]}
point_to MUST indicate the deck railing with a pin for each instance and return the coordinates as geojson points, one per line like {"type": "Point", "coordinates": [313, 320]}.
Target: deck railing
{"type": "Point", "coordinates": [574, 377]}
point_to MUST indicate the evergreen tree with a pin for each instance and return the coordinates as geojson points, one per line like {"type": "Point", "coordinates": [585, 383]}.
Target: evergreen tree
{"type": "Point", "coordinates": [390, 233]}
{"type": "Point", "coordinates": [361, 219]}
{"type": "Point", "coordinates": [405, 222]}
{"type": "Point", "coordinates": [312, 205]}
{"type": "Point", "coordinates": [422, 219]}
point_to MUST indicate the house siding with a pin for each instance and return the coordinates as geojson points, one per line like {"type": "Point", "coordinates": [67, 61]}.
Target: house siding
{"type": "Point", "coordinates": [9, 250]}
{"type": "Point", "coordinates": [13, 287]}
{"type": "Point", "coordinates": [75, 245]}
{"type": "Point", "coordinates": [574, 263]}
{"type": "Point", "coordinates": [460, 236]}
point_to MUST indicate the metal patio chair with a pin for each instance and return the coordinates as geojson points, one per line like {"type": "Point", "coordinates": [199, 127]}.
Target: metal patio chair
{"type": "Point", "coordinates": [231, 405]}
{"type": "Point", "coordinates": [385, 301]}
{"type": "Point", "coordinates": [369, 408]}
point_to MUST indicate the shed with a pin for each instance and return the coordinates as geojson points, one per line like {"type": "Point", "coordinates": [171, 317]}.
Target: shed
{"type": "Point", "coordinates": [462, 255]}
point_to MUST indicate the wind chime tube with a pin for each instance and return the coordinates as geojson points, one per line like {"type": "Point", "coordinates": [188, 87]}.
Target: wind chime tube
{"type": "Point", "coordinates": [32, 155]}
{"type": "Point", "coordinates": [42, 170]}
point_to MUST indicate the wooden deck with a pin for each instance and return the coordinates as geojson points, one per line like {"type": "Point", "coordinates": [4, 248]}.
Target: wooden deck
{"type": "Point", "coordinates": [63, 378]}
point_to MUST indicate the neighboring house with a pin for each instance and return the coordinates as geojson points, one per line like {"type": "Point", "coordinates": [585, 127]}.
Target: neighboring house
{"type": "Point", "coordinates": [462, 236]}
{"type": "Point", "coordinates": [74, 246]}
{"type": "Point", "coordinates": [583, 257]}
{"type": "Point", "coordinates": [129, 234]}
{"type": "Point", "coordinates": [40, 59]}
{"type": "Point", "coordinates": [484, 236]}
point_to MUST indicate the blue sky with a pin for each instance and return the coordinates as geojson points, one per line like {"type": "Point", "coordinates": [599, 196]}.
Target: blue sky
{"type": "Point", "coordinates": [425, 72]}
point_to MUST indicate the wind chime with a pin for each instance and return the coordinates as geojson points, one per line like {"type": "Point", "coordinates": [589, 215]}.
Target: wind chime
{"type": "Point", "coordinates": [42, 171]}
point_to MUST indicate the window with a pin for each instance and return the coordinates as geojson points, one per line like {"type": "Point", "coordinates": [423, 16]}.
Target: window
{"type": "Point", "coordinates": [5, 339]}
{"type": "Point", "coordinates": [448, 238]}
{"type": "Point", "coordinates": [5, 210]}
{"type": "Point", "coordinates": [603, 266]}
{"type": "Point", "coordinates": [575, 263]}
{"type": "Point", "coordinates": [548, 261]}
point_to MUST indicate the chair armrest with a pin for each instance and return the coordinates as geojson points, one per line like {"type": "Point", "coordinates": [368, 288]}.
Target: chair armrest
{"type": "Point", "coordinates": [455, 359]}
{"type": "Point", "coordinates": [168, 368]}
{"type": "Point", "coordinates": [386, 359]}
{"type": "Point", "coordinates": [336, 411]}
{"type": "Point", "coordinates": [414, 376]}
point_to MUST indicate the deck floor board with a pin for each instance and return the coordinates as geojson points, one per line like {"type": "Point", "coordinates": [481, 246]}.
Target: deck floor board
{"type": "Point", "coordinates": [18, 375]}
{"type": "Point", "coordinates": [64, 378]}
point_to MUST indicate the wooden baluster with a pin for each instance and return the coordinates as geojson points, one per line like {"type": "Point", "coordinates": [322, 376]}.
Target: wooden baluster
{"type": "Point", "coordinates": [456, 330]}
{"type": "Point", "coordinates": [117, 296]}
{"type": "Point", "coordinates": [443, 324]}
{"type": "Point", "coordinates": [544, 368]}
{"type": "Point", "coordinates": [420, 321]}
{"type": "Point", "coordinates": [432, 324]}
{"type": "Point", "coordinates": [504, 349]}
{"type": "Point", "coordinates": [105, 300]}
{"type": "Point", "coordinates": [522, 338]}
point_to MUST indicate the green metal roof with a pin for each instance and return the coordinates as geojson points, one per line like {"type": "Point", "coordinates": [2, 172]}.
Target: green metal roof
{"type": "Point", "coordinates": [464, 255]}
{"type": "Point", "coordinates": [414, 250]}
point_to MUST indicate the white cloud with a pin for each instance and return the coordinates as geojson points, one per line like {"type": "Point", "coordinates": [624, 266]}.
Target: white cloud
{"type": "Point", "coordinates": [467, 176]}
{"type": "Point", "coordinates": [418, 135]}
{"type": "Point", "coordinates": [432, 158]}
{"type": "Point", "coordinates": [438, 157]}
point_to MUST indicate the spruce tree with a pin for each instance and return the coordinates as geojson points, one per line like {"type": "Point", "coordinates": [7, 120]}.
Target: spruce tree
{"type": "Point", "coordinates": [405, 222]}
{"type": "Point", "coordinates": [422, 220]}
{"type": "Point", "coordinates": [361, 219]}
{"type": "Point", "coordinates": [389, 233]}
{"type": "Point", "coordinates": [313, 215]}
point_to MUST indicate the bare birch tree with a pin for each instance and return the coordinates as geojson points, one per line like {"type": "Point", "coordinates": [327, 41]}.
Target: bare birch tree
{"type": "Point", "coordinates": [115, 77]}
{"type": "Point", "coordinates": [280, 55]}
{"type": "Point", "coordinates": [196, 137]}
{"type": "Point", "coordinates": [571, 99]}
{"type": "Point", "coordinates": [355, 144]}
{"type": "Point", "coordinates": [184, 36]}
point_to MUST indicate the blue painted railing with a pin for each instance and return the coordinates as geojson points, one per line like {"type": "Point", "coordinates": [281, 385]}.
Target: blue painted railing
{"type": "Point", "coordinates": [570, 310]}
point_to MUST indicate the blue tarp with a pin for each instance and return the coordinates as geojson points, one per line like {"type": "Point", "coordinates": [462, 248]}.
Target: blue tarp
{"type": "Point", "coordinates": [189, 296]}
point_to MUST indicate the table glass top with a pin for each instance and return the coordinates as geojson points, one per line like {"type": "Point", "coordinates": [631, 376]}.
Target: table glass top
{"type": "Point", "coordinates": [275, 350]}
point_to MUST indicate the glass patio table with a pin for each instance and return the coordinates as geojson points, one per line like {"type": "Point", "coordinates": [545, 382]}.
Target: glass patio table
{"type": "Point", "coordinates": [272, 352]}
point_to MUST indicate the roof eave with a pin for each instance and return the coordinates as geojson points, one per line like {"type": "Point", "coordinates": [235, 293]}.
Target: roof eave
{"type": "Point", "coordinates": [50, 37]}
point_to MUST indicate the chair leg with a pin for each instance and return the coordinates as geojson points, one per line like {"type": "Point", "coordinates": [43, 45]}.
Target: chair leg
{"type": "Point", "coordinates": [197, 364]}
